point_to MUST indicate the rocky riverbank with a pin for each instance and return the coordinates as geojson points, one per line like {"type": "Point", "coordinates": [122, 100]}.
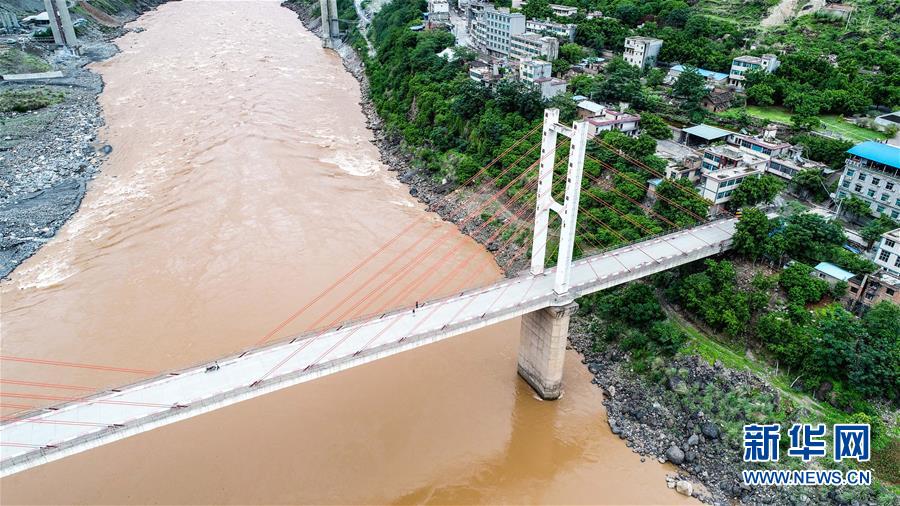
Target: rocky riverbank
{"type": "Point", "coordinates": [49, 155]}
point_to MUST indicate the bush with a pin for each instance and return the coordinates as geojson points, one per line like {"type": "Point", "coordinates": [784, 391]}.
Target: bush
{"type": "Point", "coordinates": [28, 100]}
{"type": "Point", "coordinates": [13, 61]}
{"type": "Point", "coordinates": [801, 287]}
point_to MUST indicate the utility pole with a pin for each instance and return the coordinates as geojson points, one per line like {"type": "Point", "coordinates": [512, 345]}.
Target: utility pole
{"type": "Point", "coordinates": [568, 209]}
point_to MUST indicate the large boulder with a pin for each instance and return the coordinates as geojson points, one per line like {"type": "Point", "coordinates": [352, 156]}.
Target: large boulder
{"type": "Point", "coordinates": [684, 487]}
{"type": "Point", "coordinates": [710, 430]}
{"type": "Point", "coordinates": [675, 455]}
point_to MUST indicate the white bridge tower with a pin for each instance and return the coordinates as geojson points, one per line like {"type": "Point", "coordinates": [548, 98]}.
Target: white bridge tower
{"type": "Point", "coordinates": [544, 332]}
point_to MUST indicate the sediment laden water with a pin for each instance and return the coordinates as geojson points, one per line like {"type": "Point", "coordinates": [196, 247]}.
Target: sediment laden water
{"type": "Point", "coordinates": [242, 183]}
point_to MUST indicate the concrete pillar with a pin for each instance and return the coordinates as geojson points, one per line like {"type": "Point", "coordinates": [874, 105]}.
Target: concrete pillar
{"type": "Point", "coordinates": [542, 350]}
{"type": "Point", "coordinates": [326, 23]}
{"type": "Point", "coordinates": [66, 22]}
{"type": "Point", "coordinates": [54, 23]}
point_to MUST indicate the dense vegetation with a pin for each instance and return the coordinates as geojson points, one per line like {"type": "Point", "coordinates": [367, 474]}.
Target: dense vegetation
{"type": "Point", "coordinates": [453, 126]}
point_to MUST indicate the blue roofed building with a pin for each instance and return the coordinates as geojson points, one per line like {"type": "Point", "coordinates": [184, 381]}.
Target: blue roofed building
{"type": "Point", "coordinates": [831, 273]}
{"type": "Point", "coordinates": [872, 173]}
{"type": "Point", "coordinates": [712, 78]}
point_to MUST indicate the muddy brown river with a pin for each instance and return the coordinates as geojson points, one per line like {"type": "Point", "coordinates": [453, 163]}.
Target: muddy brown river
{"type": "Point", "coordinates": [242, 183]}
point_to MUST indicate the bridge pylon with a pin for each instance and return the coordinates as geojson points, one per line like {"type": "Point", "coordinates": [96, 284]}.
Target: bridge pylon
{"type": "Point", "coordinates": [542, 350]}
{"type": "Point", "coordinates": [330, 26]}
{"type": "Point", "coordinates": [568, 209]}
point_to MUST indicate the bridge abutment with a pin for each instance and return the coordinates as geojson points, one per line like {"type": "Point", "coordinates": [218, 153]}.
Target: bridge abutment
{"type": "Point", "coordinates": [542, 350]}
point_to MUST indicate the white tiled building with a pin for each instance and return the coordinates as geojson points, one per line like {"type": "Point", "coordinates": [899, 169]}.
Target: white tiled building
{"type": "Point", "coordinates": [538, 73]}
{"type": "Point", "coordinates": [642, 52]}
{"type": "Point", "coordinates": [529, 45]}
{"type": "Point", "coordinates": [439, 11]}
{"type": "Point", "coordinates": [743, 64]}
{"type": "Point", "coordinates": [565, 32]}
{"type": "Point", "coordinates": [628, 124]}
{"type": "Point", "coordinates": [872, 173]}
{"type": "Point", "coordinates": [888, 253]}
{"type": "Point", "coordinates": [724, 168]}
{"type": "Point", "coordinates": [494, 28]}
{"type": "Point", "coordinates": [563, 11]}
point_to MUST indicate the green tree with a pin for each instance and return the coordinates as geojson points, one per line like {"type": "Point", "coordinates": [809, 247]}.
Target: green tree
{"type": "Point", "coordinates": [572, 53]}
{"type": "Point", "coordinates": [537, 9]}
{"type": "Point", "coordinates": [679, 203]}
{"type": "Point", "coordinates": [873, 230]}
{"type": "Point", "coordinates": [754, 190]}
{"type": "Point", "coordinates": [751, 233]}
{"type": "Point", "coordinates": [810, 238]}
{"type": "Point", "coordinates": [802, 288]}
{"type": "Point", "coordinates": [810, 182]}
{"type": "Point", "coordinates": [691, 88]}
{"type": "Point", "coordinates": [855, 206]}
{"type": "Point", "coordinates": [654, 126]}
{"type": "Point", "coordinates": [824, 149]}
{"type": "Point", "coordinates": [761, 94]}
{"type": "Point", "coordinates": [876, 370]}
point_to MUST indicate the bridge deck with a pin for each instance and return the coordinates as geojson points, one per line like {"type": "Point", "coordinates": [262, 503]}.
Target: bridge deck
{"type": "Point", "coordinates": [46, 435]}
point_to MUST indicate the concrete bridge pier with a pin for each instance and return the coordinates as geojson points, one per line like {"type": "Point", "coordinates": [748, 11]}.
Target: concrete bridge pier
{"type": "Point", "coordinates": [542, 350]}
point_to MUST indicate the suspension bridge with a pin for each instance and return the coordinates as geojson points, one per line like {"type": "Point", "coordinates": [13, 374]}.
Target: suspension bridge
{"type": "Point", "coordinates": [348, 335]}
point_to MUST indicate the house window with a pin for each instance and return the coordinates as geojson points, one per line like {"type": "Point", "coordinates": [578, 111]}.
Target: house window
{"type": "Point", "coordinates": [884, 197]}
{"type": "Point", "coordinates": [889, 186]}
{"type": "Point", "coordinates": [857, 188]}
{"type": "Point", "coordinates": [879, 209]}
{"type": "Point", "coordinates": [842, 194]}
{"type": "Point", "coordinates": [884, 256]}
{"type": "Point", "coordinates": [846, 184]}
{"type": "Point", "coordinates": [875, 181]}
{"type": "Point", "coordinates": [889, 243]}
{"type": "Point", "coordinates": [895, 214]}
{"type": "Point", "coordinates": [890, 291]}
{"type": "Point", "coordinates": [862, 176]}
{"type": "Point", "coordinates": [850, 172]}
{"type": "Point", "coordinates": [870, 193]}
{"type": "Point", "coordinates": [897, 261]}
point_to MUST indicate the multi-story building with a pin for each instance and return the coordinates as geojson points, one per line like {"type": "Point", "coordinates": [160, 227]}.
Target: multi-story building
{"type": "Point", "coordinates": [538, 73]}
{"type": "Point", "coordinates": [718, 186]}
{"type": "Point", "coordinates": [743, 64]}
{"type": "Point", "coordinates": [628, 124]}
{"type": "Point", "coordinates": [525, 46]}
{"type": "Point", "coordinates": [529, 70]}
{"type": "Point", "coordinates": [723, 169]}
{"type": "Point", "coordinates": [868, 290]}
{"type": "Point", "coordinates": [494, 28]}
{"type": "Point", "coordinates": [563, 11]}
{"type": "Point", "coordinates": [888, 253]}
{"type": "Point", "coordinates": [727, 157]}
{"type": "Point", "coordinates": [771, 147]}
{"type": "Point", "coordinates": [783, 159]}
{"type": "Point", "coordinates": [565, 32]}
{"type": "Point", "coordinates": [642, 52]}
{"type": "Point", "coordinates": [872, 173]}
{"type": "Point", "coordinates": [438, 11]}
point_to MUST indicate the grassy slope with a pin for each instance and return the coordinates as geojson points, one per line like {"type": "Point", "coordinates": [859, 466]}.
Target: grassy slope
{"type": "Point", "coordinates": [830, 122]}
{"type": "Point", "coordinates": [712, 349]}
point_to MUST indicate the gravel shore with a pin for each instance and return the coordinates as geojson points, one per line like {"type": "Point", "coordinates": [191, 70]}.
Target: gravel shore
{"type": "Point", "coordinates": [48, 156]}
